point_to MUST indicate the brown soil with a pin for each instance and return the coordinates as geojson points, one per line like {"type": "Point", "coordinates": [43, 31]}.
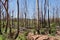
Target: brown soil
{"type": "Point", "coordinates": [31, 36]}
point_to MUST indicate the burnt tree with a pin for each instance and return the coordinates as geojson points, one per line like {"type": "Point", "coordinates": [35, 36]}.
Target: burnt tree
{"type": "Point", "coordinates": [3, 19]}
{"type": "Point", "coordinates": [25, 12]}
{"type": "Point", "coordinates": [44, 21]}
{"type": "Point", "coordinates": [0, 18]}
{"type": "Point", "coordinates": [53, 15]}
{"type": "Point", "coordinates": [18, 20]}
{"type": "Point", "coordinates": [5, 5]}
{"type": "Point", "coordinates": [48, 18]}
{"type": "Point", "coordinates": [37, 12]}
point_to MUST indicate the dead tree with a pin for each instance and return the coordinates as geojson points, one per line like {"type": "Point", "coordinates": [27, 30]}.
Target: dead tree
{"type": "Point", "coordinates": [12, 18]}
{"type": "Point", "coordinates": [37, 12]}
{"type": "Point", "coordinates": [44, 21]}
{"type": "Point", "coordinates": [53, 15]}
{"type": "Point", "coordinates": [11, 26]}
{"type": "Point", "coordinates": [6, 2]}
{"type": "Point", "coordinates": [42, 15]}
{"type": "Point", "coordinates": [18, 20]}
{"type": "Point", "coordinates": [57, 16]}
{"type": "Point", "coordinates": [0, 18]}
{"type": "Point", "coordinates": [25, 11]}
{"type": "Point", "coordinates": [48, 17]}
{"type": "Point", "coordinates": [11, 34]}
{"type": "Point", "coordinates": [5, 5]}
{"type": "Point", "coordinates": [3, 19]}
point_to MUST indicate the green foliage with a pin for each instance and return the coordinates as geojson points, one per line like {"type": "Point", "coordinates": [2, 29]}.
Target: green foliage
{"type": "Point", "coordinates": [42, 30]}
{"type": "Point", "coordinates": [21, 37]}
{"type": "Point", "coordinates": [2, 37]}
{"type": "Point", "coordinates": [53, 29]}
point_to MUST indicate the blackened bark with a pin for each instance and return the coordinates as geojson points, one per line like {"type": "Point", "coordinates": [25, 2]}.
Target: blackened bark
{"type": "Point", "coordinates": [41, 14]}
{"type": "Point", "coordinates": [37, 7]}
{"type": "Point", "coordinates": [57, 16]}
{"type": "Point", "coordinates": [25, 12]}
{"type": "Point", "coordinates": [18, 20]}
{"type": "Point", "coordinates": [3, 20]}
{"type": "Point", "coordinates": [48, 20]}
{"type": "Point", "coordinates": [7, 17]}
{"type": "Point", "coordinates": [53, 15]}
{"type": "Point", "coordinates": [0, 19]}
{"type": "Point", "coordinates": [44, 25]}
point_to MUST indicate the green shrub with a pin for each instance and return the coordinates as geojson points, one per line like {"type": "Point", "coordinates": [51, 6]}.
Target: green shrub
{"type": "Point", "coordinates": [42, 31]}
{"type": "Point", "coordinates": [21, 37]}
{"type": "Point", "coordinates": [2, 37]}
{"type": "Point", "coordinates": [53, 29]}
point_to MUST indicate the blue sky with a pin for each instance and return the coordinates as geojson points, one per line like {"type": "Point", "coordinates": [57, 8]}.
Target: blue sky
{"type": "Point", "coordinates": [31, 5]}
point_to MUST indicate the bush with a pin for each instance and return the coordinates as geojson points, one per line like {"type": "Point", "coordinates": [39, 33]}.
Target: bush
{"type": "Point", "coordinates": [42, 31]}
{"type": "Point", "coordinates": [21, 37]}
{"type": "Point", "coordinates": [2, 37]}
{"type": "Point", "coordinates": [53, 29]}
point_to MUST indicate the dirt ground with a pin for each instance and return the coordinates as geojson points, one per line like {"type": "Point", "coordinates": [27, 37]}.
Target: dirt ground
{"type": "Point", "coordinates": [31, 36]}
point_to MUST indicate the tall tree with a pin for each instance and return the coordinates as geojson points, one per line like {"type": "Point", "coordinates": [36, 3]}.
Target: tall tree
{"type": "Point", "coordinates": [53, 15]}
{"type": "Point", "coordinates": [12, 18]}
{"type": "Point", "coordinates": [7, 24]}
{"type": "Point", "coordinates": [37, 12]}
{"type": "Point", "coordinates": [57, 16]}
{"type": "Point", "coordinates": [3, 19]}
{"type": "Point", "coordinates": [41, 14]}
{"type": "Point", "coordinates": [5, 5]}
{"type": "Point", "coordinates": [18, 20]}
{"type": "Point", "coordinates": [25, 11]}
{"type": "Point", "coordinates": [48, 17]}
{"type": "Point", "coordinates": [0, 18]}
{"type": "Point", "coordinates": [45, 3]}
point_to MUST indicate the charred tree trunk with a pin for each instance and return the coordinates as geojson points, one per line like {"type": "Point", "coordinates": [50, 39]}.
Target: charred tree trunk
{"type": "Point", "coordinates": [11, 25]}
{"type": "Point", "coordinates": [3, 20]}
{"type": "Point", "coordinates": [12, 18]}
{"type": "Point", "coordinates": [25, 12]}
{"type": "Point", "coordinates": [48, 19]}
{"type": "Point", "coordinates": [0, 18]}
{"type": "Point", "coordinates": [11, 34]}
{"type": "Point", "coordinates": [5, 5]}
{"type": "Point", "coordinates": [18, 20]}
{"type": "Point", "coordinates": [41, 17]}
{"type": "Point", "coordinates": [41, 14]}
{"type": "Point", "coordinates": [53, 15]}
{"type": "Point", "coordinates": [37, 11]}
{"type": "Point", "coordinates": [57, 17]}
{"type": "Point", "coordinates": [44, 25]}
{"type": "Point", "coordinates": [7, 17]}
{"type": "Point", "coordinates": [25, 19]}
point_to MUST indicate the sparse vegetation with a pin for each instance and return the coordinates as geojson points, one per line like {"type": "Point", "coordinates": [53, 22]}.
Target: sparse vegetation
{"type": "Point", "coordinates": [16, 23]}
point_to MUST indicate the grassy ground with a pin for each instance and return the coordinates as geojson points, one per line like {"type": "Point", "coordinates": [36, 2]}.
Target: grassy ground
{"type": "Point", "coordinates": [22, 36]}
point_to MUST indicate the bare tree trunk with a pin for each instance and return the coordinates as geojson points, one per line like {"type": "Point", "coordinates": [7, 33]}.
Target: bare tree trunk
{"type": "Point", "coordinates": [12, 18]}
{"type": "Point", "coordinates": [7, 17]}
{"type": "Point", "coordinates": [53, 15]}
{"type": "Point", "coordinates": [57, 16]}
{"type": "Point", "coordinates": [25, 12]}
{"type": "Point", "coordinates": [3, 19]}
{"type": "Point", "coordinates": [37, 11]}
{"type": "Point", "coordinates": [18, 20]}
{"type": "Point", "coordinates": [5, 5]}
{"type": "Point", "coordinates": [48, 19]}
{"type": "Point", "coordinates": [0, 19]}
{"type": "Point", "coordinates": [41, 14]}
{"type": "Point", "coordinates": [44, 25]}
